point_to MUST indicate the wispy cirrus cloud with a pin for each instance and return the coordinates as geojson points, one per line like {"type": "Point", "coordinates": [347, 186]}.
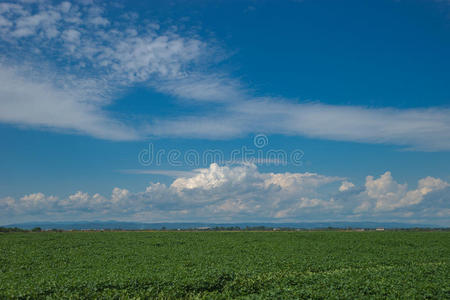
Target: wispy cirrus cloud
{"type": "Point", "coordinates": [43, 104]}
{"type": "Point", "coordinates": [426, 129]}
{"type": "Point", "coordinates": [84, 58]}
{"type": "Point", "coordinates": [63, 63]}
{"type": "Point", "coordinates": [170, 173]}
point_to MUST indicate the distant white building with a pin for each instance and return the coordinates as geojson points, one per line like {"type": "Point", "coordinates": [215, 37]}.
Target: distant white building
{"type": "Point", "coordinates": [203, 228]}
{"type": "Point", "coordinates": [380, 229]}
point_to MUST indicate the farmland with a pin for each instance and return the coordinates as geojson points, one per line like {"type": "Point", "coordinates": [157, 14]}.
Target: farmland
{"type": "Point", "coordinates": [320, 264]}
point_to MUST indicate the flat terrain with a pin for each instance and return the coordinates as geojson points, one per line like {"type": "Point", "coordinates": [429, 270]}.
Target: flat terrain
{"type": "Point", "coordinates": [324, 264]}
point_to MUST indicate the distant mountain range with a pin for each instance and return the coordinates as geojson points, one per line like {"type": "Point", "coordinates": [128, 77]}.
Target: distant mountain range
{"type": "Point", "coordinates": [98, 225]}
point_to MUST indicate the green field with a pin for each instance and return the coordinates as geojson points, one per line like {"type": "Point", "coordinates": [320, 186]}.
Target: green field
{"type": "Point", "coordinates": [325, 264]}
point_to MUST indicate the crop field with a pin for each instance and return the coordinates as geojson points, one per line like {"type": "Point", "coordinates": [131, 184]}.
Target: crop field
{"type": "Point", "coordinates": [222, 265]}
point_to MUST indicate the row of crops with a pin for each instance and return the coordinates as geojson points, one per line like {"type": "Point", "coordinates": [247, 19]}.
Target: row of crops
{"type": "Point", "coordinates": [225, 265]}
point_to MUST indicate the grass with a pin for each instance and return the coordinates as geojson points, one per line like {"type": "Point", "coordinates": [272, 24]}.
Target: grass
{"type": "Point", "coordinates": [219, 265]}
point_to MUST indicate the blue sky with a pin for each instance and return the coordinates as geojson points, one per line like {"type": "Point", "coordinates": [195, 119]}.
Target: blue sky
{"type": "Point", "coordinates": [359, 88]}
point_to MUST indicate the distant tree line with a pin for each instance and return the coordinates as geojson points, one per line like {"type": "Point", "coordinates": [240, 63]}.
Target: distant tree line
{"type": "Point", "coordinates": [12, 229]}
{"type": "Point", "coordinates": [221, 228]}
{"type": "Point", "coordinates": [16, 229]}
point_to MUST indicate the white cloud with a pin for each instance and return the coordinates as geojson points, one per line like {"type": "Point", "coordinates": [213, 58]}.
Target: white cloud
{"type": "Point", "coordinates": [170, 173]}
{"type": "Point", "coordinates": [230, 193]}
{"type": "Point", "coordinates": [428, 184]}
{"type": "Point", "coordinates": [99, 21]}
{"type": "Point", "coordinates": [4, 22]}
{"type": "Point", "coordinates": [7, 204]}
{"type": "Point", "coordinates": [305, 203]}
{"type": "Point", "coordinates": [65, 6]}
{"type": "Point", "coordinates": [363, 207]}
{"type": "Point", "coordinates": [45, 105]}
{"type": "Point", "coordinates": [204, 88]}
{"type": "Point", "coordinates": [223, 191]}
{"type": "Point", "coordinates": [390, 195]}
{"type": "Point", "coordinates": [88, 67]}
{"type": "Point", "coordinates": [71, 36]}
{"type": "Point", "coordinates": [117, 54]}
{"type": "Point", "coordinates": [78, 200]}
{"type": "Point", "coordinates": [119, 194]}
{"type": "Point", "coordinates": [216, 177]}
{"type": "Point", "coordinates": [34, 203]}
{"type": "Point", "coordinates": [420, 129]}
{"type": "Point", "coordinates": [385, 191]}
{"type": "Point", "coordinates": [345, 186]}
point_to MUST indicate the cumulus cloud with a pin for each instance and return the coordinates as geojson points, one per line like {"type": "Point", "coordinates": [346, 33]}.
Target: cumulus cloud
{"type": "Point", "coordinates": [388, 195]}
{"type": "Point", "coordinates": [242, 192]}
{"type": "Point", "coordinates": [345, 186]}
{"type": "Point", "coordinates": [384, 197]}
{"type": "Point", "coordinates": [33, 203]}
{"type": "Point", "coordinates": [222, 190]}
{"type": "Point", "coordinates": [305, 203]}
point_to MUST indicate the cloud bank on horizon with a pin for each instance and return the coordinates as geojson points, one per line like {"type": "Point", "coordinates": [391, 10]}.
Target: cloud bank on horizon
{"type": "Point", "coordinates": [64, 63]}
{"type": "Point", "coordinates": [242, 192]}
